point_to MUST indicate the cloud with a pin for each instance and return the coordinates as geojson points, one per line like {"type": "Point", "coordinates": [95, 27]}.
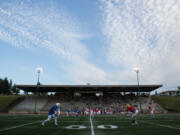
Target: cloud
{"type": "Point", "coordinates": [138, 33]}
{"type": "Point", "coordinates": [27, 26]}
{"type": "Point", "coordinates": [42, 25]}
{"type": "Point", "coordinates": [145, 34]}
{"type": "Point", "coordinates": [84, 72]}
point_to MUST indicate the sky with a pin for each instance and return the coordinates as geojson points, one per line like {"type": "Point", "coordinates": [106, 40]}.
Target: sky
{"type": "Point", "coordinates": [91, 41]}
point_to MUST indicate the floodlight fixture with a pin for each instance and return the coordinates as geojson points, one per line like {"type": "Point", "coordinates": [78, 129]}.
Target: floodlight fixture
{"type": "Point", "coordinates": [137, 69]}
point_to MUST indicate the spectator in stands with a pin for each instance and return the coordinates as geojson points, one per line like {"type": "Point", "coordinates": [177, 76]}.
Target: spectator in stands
{"type": "Point", "coordinates": [76, 112]}
{"type": "Point", "coordinates": [67, 112]}
{"type": "Point", "coordinates": [84, 111]}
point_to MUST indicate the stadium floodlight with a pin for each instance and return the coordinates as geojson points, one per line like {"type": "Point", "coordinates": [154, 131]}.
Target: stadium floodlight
{"type": "Point", "coordinates": [137, 70]}
{"type": "Point", "coordinates": [39, 70]}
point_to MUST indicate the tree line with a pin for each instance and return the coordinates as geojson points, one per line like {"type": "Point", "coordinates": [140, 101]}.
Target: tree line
{"type": "Point", "coordinates": [7, 87]}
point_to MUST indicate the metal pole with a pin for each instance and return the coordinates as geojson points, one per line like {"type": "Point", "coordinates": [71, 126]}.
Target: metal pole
{"type": "Point", "coordinates": [35, 104]}
{"type": "Point", "coordinates": [36, 94]}
{"type": "Point", "coordinates": [138, 89]}
{"type": "Point", "coordinates": [38, 78]}
{"type": "Point", "coordinates": [138, 83]}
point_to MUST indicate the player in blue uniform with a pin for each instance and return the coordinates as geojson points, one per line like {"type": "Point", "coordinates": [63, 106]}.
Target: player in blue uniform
{"type": "Point", "coordinates": [53, 112]}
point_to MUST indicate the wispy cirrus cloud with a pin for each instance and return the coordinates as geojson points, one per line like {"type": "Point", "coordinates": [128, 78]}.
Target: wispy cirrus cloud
{"type": "Point", "coordinates": [145, 34]}
{"type": "Point", "coordinates": [42, 25]}
{"type": "Point", "coordinates": [26, 25]}
{"type": "Point", "coordinates": [139, 33]}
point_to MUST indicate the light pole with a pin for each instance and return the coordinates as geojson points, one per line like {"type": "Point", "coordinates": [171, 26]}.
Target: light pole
{"type": "Point", "coordinates": [137, 70]}
{"type": "Point", "coordinates": [39, 70]}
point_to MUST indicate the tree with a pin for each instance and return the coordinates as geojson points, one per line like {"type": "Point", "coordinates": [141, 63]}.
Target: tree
{"type": "Point", "coordinates": [1, 86]}
{"type": "Point", "coordinates": [6, 87]}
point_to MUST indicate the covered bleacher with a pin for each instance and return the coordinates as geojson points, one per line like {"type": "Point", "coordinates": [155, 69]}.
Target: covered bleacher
{"type": "Point", "coordinates": [76, 97]}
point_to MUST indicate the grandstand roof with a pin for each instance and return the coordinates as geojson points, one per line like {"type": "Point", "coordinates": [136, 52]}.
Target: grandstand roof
{"type": "Point", "coordinates": [87, 88]}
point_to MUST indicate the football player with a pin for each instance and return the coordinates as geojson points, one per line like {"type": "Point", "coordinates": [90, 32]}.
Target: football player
{"type": "Point", "coordinates": [151, 111]}
{"type": "Point", "coordinates": [134, 113]}
{"type": "Point", "coordinates": [53, 112]}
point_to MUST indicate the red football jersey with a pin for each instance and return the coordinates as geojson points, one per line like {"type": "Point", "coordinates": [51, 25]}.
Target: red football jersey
{"type": "Point", "coordinates": [150, 108]}
{"type": "Point", "coordinates": [132, 109]}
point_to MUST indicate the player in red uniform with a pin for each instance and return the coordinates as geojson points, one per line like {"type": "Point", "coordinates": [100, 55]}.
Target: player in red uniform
{"type": "Point", "coordinates": [134, 113]}
{"type": "Point", "coordinates": [151, 109]}
{"type": "Point", "coordinates": [84, 111]}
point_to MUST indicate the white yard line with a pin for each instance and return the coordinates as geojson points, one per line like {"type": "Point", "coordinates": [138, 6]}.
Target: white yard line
{"type": "Point", "coordinates": [13, 127]}
{"type": "Point", "coordinates": [98, 121]}
{"type": "Point", "coordinates": [92, 128]}
{"type": "Point", "coordinates": [161, 125]}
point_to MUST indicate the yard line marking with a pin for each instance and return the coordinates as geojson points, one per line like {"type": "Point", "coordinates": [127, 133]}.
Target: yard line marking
{"type": "Point", "coordinates": [98, 121]}
{"type": "Point", "coordinates": [167, 126]}
{"type": "Point", "coordinates": [18, 126]}
{"type": "Point", "coordinates": [92, 128]}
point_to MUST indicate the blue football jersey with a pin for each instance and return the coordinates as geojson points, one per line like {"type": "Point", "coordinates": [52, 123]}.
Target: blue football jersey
{"type": "Point", "coordinates": [53, 109]}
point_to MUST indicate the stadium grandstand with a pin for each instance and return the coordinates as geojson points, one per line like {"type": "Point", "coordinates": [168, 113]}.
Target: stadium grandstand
{"type": "Point", "coordinates": [110, 99]}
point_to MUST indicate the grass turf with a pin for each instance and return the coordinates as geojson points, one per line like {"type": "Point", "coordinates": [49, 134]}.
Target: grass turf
{"type": "Point", "coordinates": [160, 124]}
{"type": "Point", "coordinates": [168, 102]}
{"type": "Point", "coordinates": [5, 100]}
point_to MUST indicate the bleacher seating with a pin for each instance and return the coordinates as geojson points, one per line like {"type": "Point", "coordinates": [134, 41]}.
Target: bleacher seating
{"type": "Point", "coordinates": [114, 102]}
{"type": "Point", "coordinates": [28, 104]}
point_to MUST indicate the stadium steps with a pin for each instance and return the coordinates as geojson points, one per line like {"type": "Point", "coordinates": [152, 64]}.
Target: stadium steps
{"type": "Point", "coordinates": [28, 104]}
{"type": "Point", "coordinates": [9, 101]}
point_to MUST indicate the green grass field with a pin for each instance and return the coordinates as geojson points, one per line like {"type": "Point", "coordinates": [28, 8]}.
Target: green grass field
{"type": "Point", "coordinates": [147, 125]}
{"type": "Point", "coordinates": [168, 102]}
{"type": "Point", "coordinates": [5, 100]}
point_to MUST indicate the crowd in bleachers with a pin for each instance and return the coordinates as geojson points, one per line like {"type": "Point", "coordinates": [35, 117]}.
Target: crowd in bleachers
{"type": "Point", "coordinates": [107, 104]}
{"type": "Point", "coordinates": [80, 104]}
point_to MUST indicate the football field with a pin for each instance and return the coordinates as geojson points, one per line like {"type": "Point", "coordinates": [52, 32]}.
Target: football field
{"type": "Point", "coordinates": [166, 124]}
